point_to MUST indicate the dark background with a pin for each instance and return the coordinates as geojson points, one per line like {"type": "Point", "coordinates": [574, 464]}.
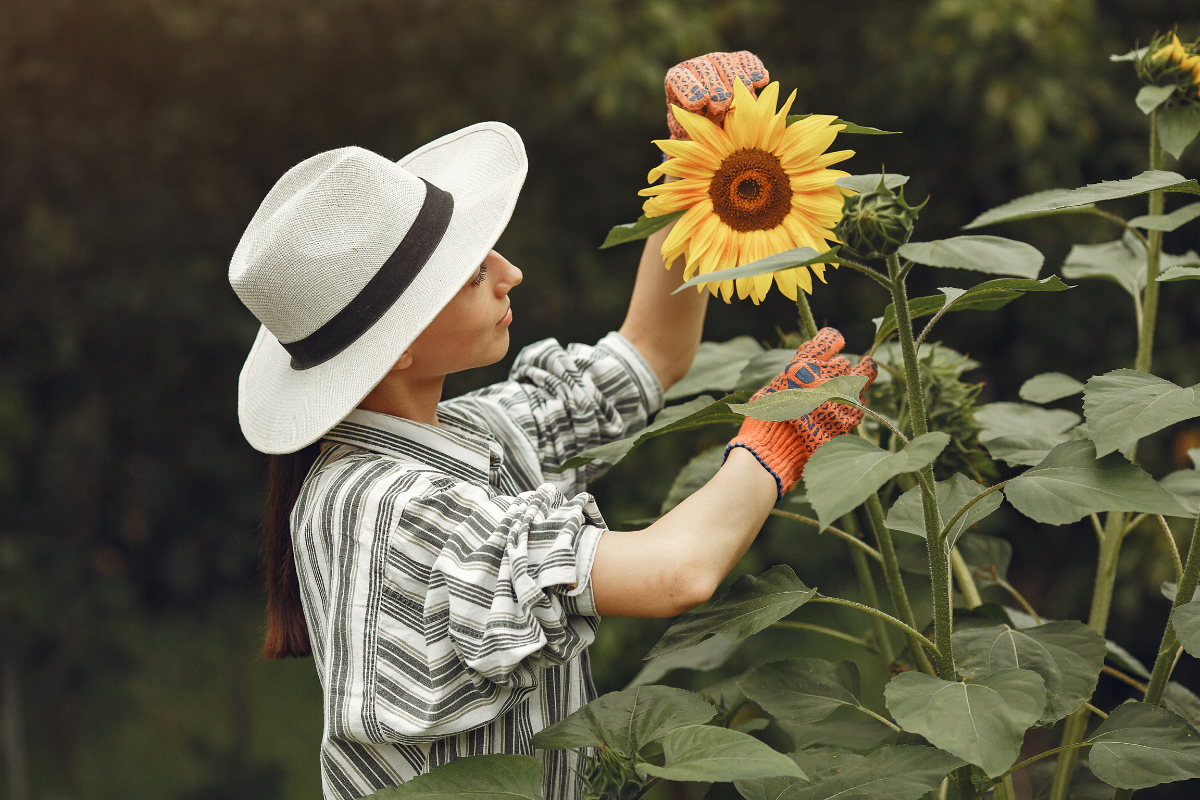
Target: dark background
{"type": "Point", "coordinates": [137, 138]}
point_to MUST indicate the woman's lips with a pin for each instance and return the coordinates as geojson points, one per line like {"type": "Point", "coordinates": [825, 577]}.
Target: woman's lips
{"type": "Point", "coordinates": [504, 323]}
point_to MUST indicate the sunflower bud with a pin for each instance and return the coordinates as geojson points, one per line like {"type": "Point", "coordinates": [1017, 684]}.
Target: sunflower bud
{"type": "Point", "coordinates": [875, 224]}
{"type": "Point", "coordinates": [610, 776]}
{"type": "Point", "coordinates": [1168, 61]}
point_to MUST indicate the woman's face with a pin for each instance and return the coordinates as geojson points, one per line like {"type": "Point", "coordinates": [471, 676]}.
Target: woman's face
{"type": "Point", "coordinates": [472, 330]}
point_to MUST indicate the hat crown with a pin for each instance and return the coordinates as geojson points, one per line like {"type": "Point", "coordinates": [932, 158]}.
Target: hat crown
{"type": "Point", "coordinates": [320, 235]}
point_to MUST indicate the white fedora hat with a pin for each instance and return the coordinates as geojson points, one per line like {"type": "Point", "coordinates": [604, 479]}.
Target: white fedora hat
{"type": "Point", "coordinates": [351, 256]}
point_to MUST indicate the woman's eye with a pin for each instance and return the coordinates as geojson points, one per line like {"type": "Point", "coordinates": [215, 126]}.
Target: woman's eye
{"type": "Point", "coordinates": [482, 275]}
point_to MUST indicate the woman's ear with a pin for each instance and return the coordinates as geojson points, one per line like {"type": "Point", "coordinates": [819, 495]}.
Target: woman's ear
{"type": "Point", "coordinates": [405, 361]}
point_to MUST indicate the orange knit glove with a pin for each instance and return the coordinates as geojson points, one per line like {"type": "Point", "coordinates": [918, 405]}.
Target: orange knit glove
{"type": "Point", "coordinates": [704, 85]}
{"type": "Point", "coordinates": [783, 448]}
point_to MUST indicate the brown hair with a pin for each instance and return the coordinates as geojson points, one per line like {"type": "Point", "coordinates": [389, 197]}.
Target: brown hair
{"type": "Point", "coordinates": [287, 632]}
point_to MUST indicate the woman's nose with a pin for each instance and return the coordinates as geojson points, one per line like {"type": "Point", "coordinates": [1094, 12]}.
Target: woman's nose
{"type": "Point", "coordinates": [512, 277]}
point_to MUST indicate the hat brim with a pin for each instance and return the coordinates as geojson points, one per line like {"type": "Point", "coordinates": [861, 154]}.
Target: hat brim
{"type": "Point", "coordinates": [281, 409]}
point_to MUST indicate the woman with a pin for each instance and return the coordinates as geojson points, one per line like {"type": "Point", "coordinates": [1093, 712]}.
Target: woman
{"type": "Point", "coordinates": [445, 580]}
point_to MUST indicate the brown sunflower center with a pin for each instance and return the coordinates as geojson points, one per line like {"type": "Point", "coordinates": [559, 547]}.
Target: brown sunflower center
{"type": "Point", "coordinates": [750, 191]}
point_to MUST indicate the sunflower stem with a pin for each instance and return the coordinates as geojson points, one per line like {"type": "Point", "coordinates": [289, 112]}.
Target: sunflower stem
{"type": "Point", "coordinates": [808, 325]}
{"type": "Point", "coordinates": [939, 561]}
{"type": "Point", "coordinates": [866, 584]}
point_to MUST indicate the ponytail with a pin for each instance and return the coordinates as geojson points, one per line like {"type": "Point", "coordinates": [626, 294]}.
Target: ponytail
{"type": "Point", "coordinates": [287, 632]}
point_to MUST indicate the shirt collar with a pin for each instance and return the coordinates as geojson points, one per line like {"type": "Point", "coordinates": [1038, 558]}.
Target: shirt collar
{"type": "Point", "coordinates": [457, 446]}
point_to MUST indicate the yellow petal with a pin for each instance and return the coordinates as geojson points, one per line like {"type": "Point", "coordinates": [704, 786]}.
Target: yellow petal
{"type": "Point", "coordinates": [777, 126]}
{"type": "Point", "coordinates": [693, 152]}
{"type": "Point", "coordinates": [786, 279]}
{"type": "Point", "coordinates": [704, 132]}
{"type": "Point", "coordinates": [687, 225]}
{"type": "Point", "coordinates": [741, 122]}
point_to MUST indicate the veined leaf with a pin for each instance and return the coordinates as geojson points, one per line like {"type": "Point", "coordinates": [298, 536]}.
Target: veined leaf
{"type": "Point", "coordinates": [793, 403]}
{"type": "Point", "coordinates": [1050, 386]}
{"type": "Point", "coordinates": [992, 254]}
{"type": "Point", "coordinates": [1188, 272]}
{"type": "Point", "coordinates": [685, 416]}
{"type": "Point", "coordinates": [985, 553]}
{"type": "Point", "coordinates": [641, 229]}
{"type": "Point", "coordinates": [982, 723]}
{"type": "Point", "coordinates": [1185, 484]}
{"type": "Point", "coordinates": [1019, 433]}
{"type": "Point", "coordinates": [1057, 201]}
{"type": "Point", "coordinates": [1068, 655]}
{"type": "Point", "coordinates": [1140, 745]}
{"type": "Point", "coordinates": [1071, 483]}
{"type": "Point", "coordinates": [803, 690]}
{"type": "Point", "coordinates": [1151, 97]}
{"type": "Point", "coordinates": [707, 753]}
{"type": "Point", "coordinates": [1182, 701]}
{"type": "Point", "coordinates": [845, 727]}
{"type": "Point", "coordinates": [798, 257]}
{"type": "Point", "coordinates": [847, 469]}
{"type": "Point", "coordinates": [751, 604]}
{"type": "Point", "coordinates": [697, 472]}
{"type": "Point", "coordinates": [1122, 261]}
{"type": "Point", "coordinates": [709, 654]}
{"type": "Point", "coordinates": [986, 296]}
{"type": "Point", "coordinates": [1168, 222]}
{"type": "Point", "coordinates": [1177, 127]}
{"type": "Point", "coordinates": [1084, 785]}
{"type": "Point", "coordinates": [763, 368]}
{"type": "Point", "coordinates": [627, 720]}
{"type": "Point", "coordinates": [908, 514]}
{"type": "Point", "coordinates": [1125, 660]}
{"type": "Point", "coordinates": [850, 126]}
{"type": "Point", "coordinates": [1125, 405]}
{"type": "Point", "coordinates": [1186, 620]}
{"type": "Point", "coordinates": [865, 184]}
{"type": "Point", "coordinates": [716, 367]}
{"type": "Point", "coordinates": [889, 773]}
{"type": "Point", "coordinates": [487, 777]}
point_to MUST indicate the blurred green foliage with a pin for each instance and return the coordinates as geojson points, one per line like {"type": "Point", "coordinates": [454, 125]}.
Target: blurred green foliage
{"type": "Point", "coordinates": [138, 137]}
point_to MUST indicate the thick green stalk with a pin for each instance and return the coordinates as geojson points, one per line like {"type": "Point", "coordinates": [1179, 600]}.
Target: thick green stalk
{"type": "Point", "coordinates": [895, 582]}
{"type": "Point", "coordinates": [1170, 644]}
{"type": "Point", "coordinates": [1153, 258]}
{"type": "Point", "coordinates": [966, 581]}
{"type": "Point", "coordinates": [808, 324]}
{"type": "Point", "coordinates": [939, 566]}
{"type": "Point", "coordinates": [866, 584]}
{"type": "Point", "coordinates": [1102, 592]}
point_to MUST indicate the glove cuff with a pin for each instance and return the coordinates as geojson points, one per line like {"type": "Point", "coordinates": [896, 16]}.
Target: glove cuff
{"type": "Point", "coordinates": [777, 448]}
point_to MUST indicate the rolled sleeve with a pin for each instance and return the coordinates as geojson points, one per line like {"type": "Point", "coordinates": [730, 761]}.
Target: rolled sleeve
{"type": "Point", "coordinates": [583, 396]}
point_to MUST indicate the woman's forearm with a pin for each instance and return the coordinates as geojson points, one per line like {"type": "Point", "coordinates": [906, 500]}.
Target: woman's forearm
{"type": "Point", "coordinates": [678, 562]}
{"type": "Point", "coordinates": [664, 328]}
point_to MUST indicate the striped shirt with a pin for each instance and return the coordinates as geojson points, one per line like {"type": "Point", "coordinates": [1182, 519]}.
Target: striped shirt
{"type": "Point", "coordinates": [445, 572]}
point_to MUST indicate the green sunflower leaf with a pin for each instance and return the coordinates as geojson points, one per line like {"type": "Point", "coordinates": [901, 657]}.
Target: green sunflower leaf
{"type": "Point", "coordinates": [715, 368]}
{"type": "Point", "coordinates": [907, 513]}
{"type": "Point", "coordinates": [983, 722]}
{"type": "Point", "coordinates": [1186, 272]}
{"type": "Point", "coordinates": [1071, 483]}
{"type": "Point", "coordinates": [890, 773]}
{"type": "Point", "coordinates": [800, 691]}
{"type": "Point", "coordinates": [643, 228]}
{"type": "Point", "coordinates": [709, 654]}
{"type": "Point", "coordinates": [1151, 97]}
{"type": "Point", "coordinates": [1140, 745]}
{"type": "Point", "coordinates": [991, 254]}
{"type": "Point", "coordinates": [1048, 387]}
{"type": "Point", "coordinates": [1177, 128]}
{"type": "Point", "coordinates": [1019, 433]}
{"type": "Point", "coordinates": [864, 184]}
{"type": "Point", "coordinates": [1068, 655]}
{"type": "Point", "coordinates": [628, 720]}
{"type": "Point", "coordinates": [986, 296]}
{"type": "Point", "coordinates": [685, 416]}
{"type": "Point", "coordinates": [707, 753]}
{"type": "Point", "coordinates": [793, 403]}
{"type": "Point", "coordinates": [1067, 201]}
{"type": "Point", "coordinates": [694, 474]}
{"type": "Point", "coordinates": [1168, 222]}
{"type": "Point", "coordinates": [846, 470]}
{"type": "Point", "coordinates": [751, 604]}
{"type": "Point", "coordinates": [487, 777]}
{"type": "Point", "coordinates": [1186, 620]}
{"type": "Point", "coordinates": [1185, 483]}
{"type": "Point", "coordinates": [1125, 405]}
{"type": "Point", "coordinates": [797, 257]}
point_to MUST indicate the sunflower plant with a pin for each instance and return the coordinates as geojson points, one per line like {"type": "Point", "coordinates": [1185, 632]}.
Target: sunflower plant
{"type": "Point", "coordinates": [912, 490]}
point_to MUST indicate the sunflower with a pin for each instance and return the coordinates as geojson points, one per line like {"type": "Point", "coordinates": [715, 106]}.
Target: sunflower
{"type": "Point", "coordinates": [755, 188]}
